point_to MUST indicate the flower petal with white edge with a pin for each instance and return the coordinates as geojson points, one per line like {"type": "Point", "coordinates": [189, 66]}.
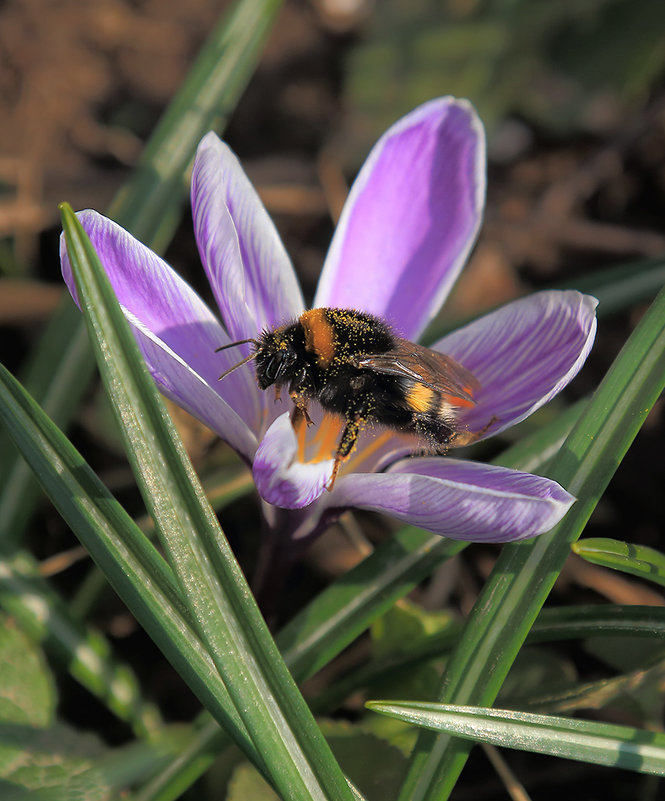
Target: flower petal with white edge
{"type": "Point", "coordinates": [160, 301]}
{"type": "Point", "coordinates": [458, 499]}
{"type": "Point", "coordinates": [411, 217]}
{"type": "Point", "coordinates": [248, 268]}
{"type": "Point", "coordinates": [280, 478]}
{"type": "Point", "coordinates": [180, 383]}
{"type": "Point", "coordinates": [523, 355]}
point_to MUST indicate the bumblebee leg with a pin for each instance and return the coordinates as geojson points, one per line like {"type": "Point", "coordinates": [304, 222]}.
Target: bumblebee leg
{"type": "Point", "coordinates": [299, 412]}
{"type": "Point", "coordinates": [346, 445]}
{"type": "Point", "coordinates": [298, 394]}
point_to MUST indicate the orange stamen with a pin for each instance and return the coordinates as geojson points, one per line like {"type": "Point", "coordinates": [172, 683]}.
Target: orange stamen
{"type": "Point", "coordinates": [301, 434]}
{"type": "Point", "coordinates": [324, 442]}
{"type": "Point", "coordinates": [362, 454]}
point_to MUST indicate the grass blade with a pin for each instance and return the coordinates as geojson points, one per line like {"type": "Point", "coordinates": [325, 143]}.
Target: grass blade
{"type": "Point", "coordinates": [638, 560]}
{"type": "Point", "coordinates": [596, 620]}
{"type": "Point", "coordinates": [149, 204]}
{"type": "Point", "coordinates": [269, 703]}
{"type": "Point", "coordinates": [582, 740]}
{"type": "Point", "coordinates": [130, 562]}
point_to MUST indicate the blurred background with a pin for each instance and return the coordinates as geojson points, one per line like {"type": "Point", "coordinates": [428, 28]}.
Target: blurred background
{"type": "Point", "coordinates": [573, 97]}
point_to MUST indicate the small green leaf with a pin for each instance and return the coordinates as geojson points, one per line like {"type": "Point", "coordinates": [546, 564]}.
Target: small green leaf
{"type": "Point", "coordinates": [83, 651]}
{"type": "Point", "coordinates": [36, 757]}
{"type": "Point", "coordinates": [60, 763]}
{"type": "Point", "coordinates": [582, 740]}
{"type": "Point", "coordinates": [638, 560]}
{"type": "Point", "coordinates": [27, 693]}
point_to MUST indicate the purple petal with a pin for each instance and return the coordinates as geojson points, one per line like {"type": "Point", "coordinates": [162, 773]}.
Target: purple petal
{"type": "Point", "coordinates": [280, 478]}
{"type": "Point", "coordinates": [187, 388]}
{"type": "Point", "coordinates": [177, 333]}
{"type": "Point", "coordinates": [411, 217]}
{"type": "Point", "coordinates": [249, 270]}
{"type": "Point", "coordinates": [457, 499]}
{"type": "Point", "coordinates": [523, 354]}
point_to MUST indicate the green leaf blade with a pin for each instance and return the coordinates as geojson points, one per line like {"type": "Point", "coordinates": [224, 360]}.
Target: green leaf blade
{"type": "Point", "coordinates": [584, 741]}
{"type": "Point", "coordinates": [263, 692]}
{"type": "Point", "coordinates": [638, 560]}
{"type": "Point", "coordinates": [130, 562]}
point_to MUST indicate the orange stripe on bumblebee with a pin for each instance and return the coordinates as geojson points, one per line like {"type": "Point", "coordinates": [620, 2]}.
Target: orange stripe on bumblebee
{"type": "Point", "coordinates": [319, 336]}
{"type": "Point", "coordinates": [421, 398]}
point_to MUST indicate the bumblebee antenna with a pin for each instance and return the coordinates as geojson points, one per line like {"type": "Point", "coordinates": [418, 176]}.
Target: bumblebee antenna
{"type": "Point", "coordinates": [233, 344]}
{"type": "Point", "coordinates": [243, 361]}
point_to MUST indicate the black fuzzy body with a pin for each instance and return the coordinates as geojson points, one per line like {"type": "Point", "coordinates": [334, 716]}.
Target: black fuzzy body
{"type": "Point", "coordinates": [320, 358]}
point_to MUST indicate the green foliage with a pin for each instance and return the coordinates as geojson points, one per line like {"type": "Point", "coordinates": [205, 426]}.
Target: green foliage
{"type": "Point", "coordinates": [27, 692]}
{"type": "Point", "coordinates": [562, 65]}
{"type": "Point", "coordinates": [373, 765]}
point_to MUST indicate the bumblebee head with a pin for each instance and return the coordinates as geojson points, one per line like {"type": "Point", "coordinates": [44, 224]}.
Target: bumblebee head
{"type": "Point", "coordinates": [276, 355]}
{"type": "Point", "coordinates": [276, 358]}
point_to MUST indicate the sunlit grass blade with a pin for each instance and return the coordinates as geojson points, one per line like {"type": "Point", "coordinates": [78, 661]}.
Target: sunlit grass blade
{"type": "Point", "coordinates": [585, 741]}
{"type": "Point", "coordinates": [84, 652]}
{"type": "Point", "coordinates": [267, 699]}
{"type": "Point", "coordinates": [524, 574]}
{"type": "Point", "coordinates": [148, 206]}
{"type": "Point", "coordinates": [222, 487]}
{"type": "Point", "coordinates": [638, 560]}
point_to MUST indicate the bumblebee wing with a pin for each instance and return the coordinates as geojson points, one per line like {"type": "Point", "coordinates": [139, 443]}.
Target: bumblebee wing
{"type": "Point", "coordinates": [421, 365]}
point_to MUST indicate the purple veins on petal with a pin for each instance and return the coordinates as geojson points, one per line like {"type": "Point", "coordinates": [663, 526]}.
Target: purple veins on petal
{"type": "Point", "coordinates": [248, 268]}
{"type": "Point", "coordinates": [176, 331]}
{"type": "Point", "coordinates": [458, 499]}
{"type": "Point", "coordinates": [523, 354]}
{"type": "Point", "coordinates": [411, 217]}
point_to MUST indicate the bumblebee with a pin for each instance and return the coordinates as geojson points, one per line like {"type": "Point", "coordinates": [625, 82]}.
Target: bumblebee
{"type": "Point", "coordinates": [355, 367]}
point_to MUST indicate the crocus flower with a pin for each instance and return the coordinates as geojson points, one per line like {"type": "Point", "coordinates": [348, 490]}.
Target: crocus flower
{"type": "Point", "coordinates": [405, 232]}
